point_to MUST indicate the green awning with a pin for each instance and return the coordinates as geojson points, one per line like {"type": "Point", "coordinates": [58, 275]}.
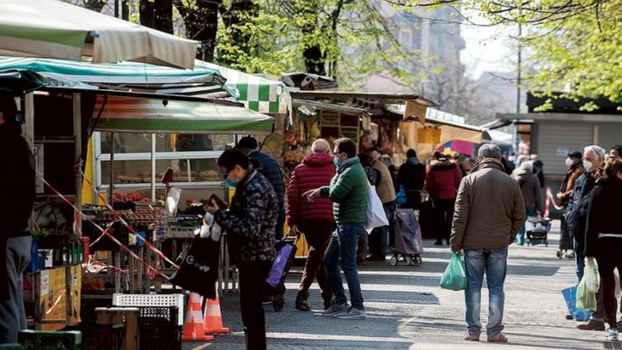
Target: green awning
{"type": "Point", "coordinates": [19, 82]}
{"type": "Point", "coordinates": [128, 114]}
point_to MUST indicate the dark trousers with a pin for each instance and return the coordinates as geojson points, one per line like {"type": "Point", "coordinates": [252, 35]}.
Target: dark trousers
{"type": "Point", "coordinates": [12, 313]}
{"type": "Point", "coordinates": [253, 277]}
{"type": "Point", "coordinates": [444, 212]}
{"type": "Point", "coordinates": [609, 259]}
{"type": "Point", "coordinates": [318, 235]}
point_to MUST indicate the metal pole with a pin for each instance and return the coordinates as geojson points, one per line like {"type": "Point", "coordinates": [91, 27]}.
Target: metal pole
{"type": "Point", "coordinates": [518, 88]}
{"type": "Point", "coordinates": [116, 8]}
{"type": "Point", "coordinates": [111, 181]}
{"type": "Point", "coordinates": [77, 131]}
{"type": "Point", "coordinates": [153, 168]}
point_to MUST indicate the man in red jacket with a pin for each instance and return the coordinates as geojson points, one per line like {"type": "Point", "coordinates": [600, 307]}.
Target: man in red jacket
{"type": "Point", "coordinates": [442, 184]}
{"type": "Point", "coordinates": [315, 218]}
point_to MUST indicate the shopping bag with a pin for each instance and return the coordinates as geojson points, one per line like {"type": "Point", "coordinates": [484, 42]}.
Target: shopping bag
{"type": "Point", "coordinates": [376, 217]}
{"type": "Point", "coordinates": [591, 275]}
{"type": "Point", "coordinates": [585, 298]}
{"type": "Point", "coordinates": [570, 297]}
{"type": "Point", "coordinates": [618, 291]}
{"type": "Point", "coordinates": [401, 196]}
{"type": "Point", "coordinates": [285, 253]}
{"type": "Point", "coordinates": [454, 277]}
{"type": "Point", "coordinates": [198, 271]}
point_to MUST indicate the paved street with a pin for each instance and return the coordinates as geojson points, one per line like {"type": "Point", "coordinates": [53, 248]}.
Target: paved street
{"type": "Point", "coordinates": [407, 310]}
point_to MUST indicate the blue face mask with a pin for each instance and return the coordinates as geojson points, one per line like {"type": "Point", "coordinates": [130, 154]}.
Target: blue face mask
{"type": "Point", "coordinates": [231, 183]}
{"type": "Point", "coordinates": [336, 161]}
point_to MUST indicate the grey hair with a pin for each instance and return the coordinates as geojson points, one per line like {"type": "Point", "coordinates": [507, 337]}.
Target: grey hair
{"type": "Point", "coordinates": [599, 151]}
{"type": "Point", "coordinates": [527, 165]}
{"type": "Point", "coordinates": [489, 150]}
{"type": "Point", "coordinates": [320, 146]}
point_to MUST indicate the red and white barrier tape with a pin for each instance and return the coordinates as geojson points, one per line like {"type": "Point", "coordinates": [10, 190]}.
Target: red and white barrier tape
{"type": "Point", "coordinates": [114, 268]}
{"type": "Point", "coordinates": [550, 199]}
{"type": "Point", "coordinates": [120, 218]}
{"type": "Point", "coordinates": [60, 297]}
{"type": "Point", "coordinates": [128, 250]}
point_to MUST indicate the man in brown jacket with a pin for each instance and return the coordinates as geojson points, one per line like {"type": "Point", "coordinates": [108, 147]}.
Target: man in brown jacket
{"type": "Point", "coordinates": [380, 237]}
{"type": "Point", "coordinates": [489, 212]}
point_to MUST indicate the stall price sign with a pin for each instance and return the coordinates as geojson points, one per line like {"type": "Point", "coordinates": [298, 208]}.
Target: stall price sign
{"type": "Point", "coordinates": [330, 119]}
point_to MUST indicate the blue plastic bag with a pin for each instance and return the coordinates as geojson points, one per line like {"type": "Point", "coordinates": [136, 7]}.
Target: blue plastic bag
{"type": "Point", "coordinates": [401, 196]}
{"type": "Point", "coordinates": [570, 296]}
{"type": "Point", "coordinates": [454, 277]}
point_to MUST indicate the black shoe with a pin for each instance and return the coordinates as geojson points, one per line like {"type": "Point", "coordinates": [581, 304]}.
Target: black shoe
{"type": "Point", "coordinates": [438, 243]}
{"type": "Point", "coordinates": [302, 304]}
{"type": "Point", "coordinates": [328, 303]}
{"type": "Point", "coordinates": [377, 257]}
{"type": "Point", "coordinates": [592, 325]}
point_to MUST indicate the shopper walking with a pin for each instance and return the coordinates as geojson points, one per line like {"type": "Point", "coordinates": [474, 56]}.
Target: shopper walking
{"type": "Point", "coordinates": [348, 191]}
{"type": "Point", "coordinates": [250, 226]}
{"type": "Point", "coordinates": [530, 187]}
{"type": "Point", "coordinates": [380, 237]}
{"type": "Point", "coordinates": [314, 219]}
{"type": "Point", "coordinates": [411, 177]}
{"type": "Point", "coordinates": [575, 170]}
{"type": "Point", "coordinates": [576, 218]}
{"type": "Point", "coordinates": [489, 213]}
{"type": "Point", "coordinates": [604, 239]}
{"type": "Point", "coordinates": [269, 168]}
{"type": "Point", "coordinates": [373, 176]}
{"type": "Point", "coordinates": [442, 183]}
{"type": "Point", "coordinates": [17, 185]}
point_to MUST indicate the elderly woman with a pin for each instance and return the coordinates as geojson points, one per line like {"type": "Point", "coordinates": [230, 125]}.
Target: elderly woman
{"type": "Point", "coordinates": [530, 186]}
{"type": "Point", "coordinates": [604, 238]}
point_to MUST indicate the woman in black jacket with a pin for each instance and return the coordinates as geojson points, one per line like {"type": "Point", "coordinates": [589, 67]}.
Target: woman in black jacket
{"type": "Point", "coordinates": [604, 238]}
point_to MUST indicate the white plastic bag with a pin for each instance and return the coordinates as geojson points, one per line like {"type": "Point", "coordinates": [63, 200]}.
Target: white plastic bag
{"type": "Point", "coordinates": [172, 199]}
{"type": "Point", "coordinates": [376, 217]}
{"type": "Point", "coordinates": [618, 291]}
{"type": "Point", "coordinates": [591, 275]}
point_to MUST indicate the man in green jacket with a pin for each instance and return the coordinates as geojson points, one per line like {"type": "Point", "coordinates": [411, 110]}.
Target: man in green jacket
{"type": "Point", "coordinates": [348, 191]}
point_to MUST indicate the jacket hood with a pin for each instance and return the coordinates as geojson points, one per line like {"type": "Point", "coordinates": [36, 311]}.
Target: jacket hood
{"type": "Point", "coordinates": [489, 164]}
{"type": "Point", "coordinates": [348, 163]}
{"type": "Point", "coordinates": [413, 161]}
{"type": "Point", "coordinates": [317, 159]}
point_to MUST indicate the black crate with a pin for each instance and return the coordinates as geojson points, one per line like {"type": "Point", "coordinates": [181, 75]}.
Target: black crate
{"type": "Point", "coordinates": [100, 336]}
{"type": "Point", "coordinates": [158, 328]}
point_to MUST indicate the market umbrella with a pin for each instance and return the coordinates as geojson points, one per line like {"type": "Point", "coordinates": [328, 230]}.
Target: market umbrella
{"type": "Point", "coordinates": [54, 29]}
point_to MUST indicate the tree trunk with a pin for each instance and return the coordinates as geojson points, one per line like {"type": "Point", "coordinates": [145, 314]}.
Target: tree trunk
{"type": "Point", "coordinates": [201, 23]}
{"type": "Point", "coordinates": [314, 60]}
{"type": "Point", "coordinates": [157, 15]}
{"type": "Point", "coordinates": [236, 15]}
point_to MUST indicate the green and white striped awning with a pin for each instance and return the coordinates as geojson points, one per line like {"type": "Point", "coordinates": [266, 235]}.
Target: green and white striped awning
{"type": "Point", "coordinates": [138, 115]}
{"type": "Point", "coordinates": [55, 29]}
{"type": "Point", "coordinates": [127, 76]}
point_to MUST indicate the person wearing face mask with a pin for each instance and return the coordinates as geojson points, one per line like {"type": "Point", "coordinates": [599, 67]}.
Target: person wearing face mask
{"type": "Point", "coordinates": [576, 219]}
{"type": "Point", "coordinates": [575, 170]}
{"type": "Point", "coordinates": [604, 238]}
{"type": "Point", "coordinates": [250, 225]}
{"type": "Point", "coordinates": [615, 153]}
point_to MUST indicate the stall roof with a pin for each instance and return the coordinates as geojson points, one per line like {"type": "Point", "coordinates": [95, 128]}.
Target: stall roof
{"type": "Point", "coordinates": [362, 99]}
{"type": "Point", "coordinates": [329, 107]}
{"type": "Point", "coordinates": [55, 29]}
{"type": "Point", "coordinates": [563, 117]}
{"type": "Point", "coordinates": [129, 114]}
{"type": "Point", "coordinates": [20, 81]}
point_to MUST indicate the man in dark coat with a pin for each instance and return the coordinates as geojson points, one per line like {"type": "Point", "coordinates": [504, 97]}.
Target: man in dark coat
{"type": "Point", "coordinates": [411, 176]}
{"type": "Point", "coordinates": [17, 185]}
{"type": "Point", "coordinates": [268, 167]}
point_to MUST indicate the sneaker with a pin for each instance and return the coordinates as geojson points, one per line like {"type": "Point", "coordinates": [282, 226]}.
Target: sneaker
{"type": "Point", "coordinates": [612, 334]}
{"type": "Point", "coordinates": [501, 338]}
{"type": "Point", "coordinates": [335, 310]}
{"type": "Point", "coordinates": [592, 325]}
{"type": "Point", "coordinates": [352, 314]}
{"type": "Point", "coordinates": [302, 304]}
{"type": "Point", "coordinates": [471, 337]}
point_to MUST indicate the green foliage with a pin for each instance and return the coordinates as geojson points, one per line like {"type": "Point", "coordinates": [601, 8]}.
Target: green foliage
{"type": "Point", "coordinates": [574, 45]}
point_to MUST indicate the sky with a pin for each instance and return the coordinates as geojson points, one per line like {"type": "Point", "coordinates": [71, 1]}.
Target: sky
{"type": "Point", "coordinates": [488, 48]}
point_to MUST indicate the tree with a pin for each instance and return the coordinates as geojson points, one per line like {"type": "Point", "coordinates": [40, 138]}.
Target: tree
{"type": "Point", "coordinates": [575, 46]}
{"type": "Point", "coordinates": [157, 14]}
{"type": "Point", "coordinates": [201, 23]}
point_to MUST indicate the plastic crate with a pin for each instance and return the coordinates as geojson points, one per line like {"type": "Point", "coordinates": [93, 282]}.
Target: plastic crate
{"type": "Point", "coordinates": [146, 300]}
{"type": "Point", "coordinates": [100, 336]}
{"type": "Point", "coordinates": [48, 340]}
{"type": "Point", "coordinates": [11, 347]}
{"type": "Point", "coordinates": [158, 328]}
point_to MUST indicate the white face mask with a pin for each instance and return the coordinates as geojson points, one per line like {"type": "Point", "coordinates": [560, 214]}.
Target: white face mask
{"type": "Point", "coordinates": [569, 162]}
{"type": "Point", "coordinates": [587, 165]}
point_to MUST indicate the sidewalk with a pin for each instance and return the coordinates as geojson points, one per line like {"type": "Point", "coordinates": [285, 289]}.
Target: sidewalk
{"type": "Point", "coordinates": [407, 310]}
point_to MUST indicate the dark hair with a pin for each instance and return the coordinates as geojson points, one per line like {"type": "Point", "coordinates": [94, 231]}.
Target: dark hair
{"type": "Point", "coordinates": [411, 153]}
{"type": "Point", "coordinates": [347, 146]}
{"type": "Point", "coordinates": [618, 149]}
{"type": "Point", "coordinates": [8, 108]}
{"type": "Point", "coordinates": [232, 157]}
{"type": "Point", "coordinates": [438, 155]}
{"type": "Point", "coordinates": [247, 142]}
{"type": "Point", "coordinates": [365, 159]}
{"type": "Point", "coordinates": [613, 169]}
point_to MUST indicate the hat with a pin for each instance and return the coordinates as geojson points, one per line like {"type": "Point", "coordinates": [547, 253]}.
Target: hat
{"type": "Point", "coordinates": [247, 142]}
{"type": "Point", "coordinates": [575, 154]}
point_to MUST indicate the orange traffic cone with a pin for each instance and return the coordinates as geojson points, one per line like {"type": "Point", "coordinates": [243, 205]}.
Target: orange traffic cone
{"type": "Point", "coordinates": [193, 327]}
{"type": "Point", "coordinates": [213, 318]}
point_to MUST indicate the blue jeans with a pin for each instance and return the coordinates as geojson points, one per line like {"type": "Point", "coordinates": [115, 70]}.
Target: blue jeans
{"type": "Point", "coordinates": [494, 263]}
{"type": "Point", "coordinates": [521, 233]}
{"type": "Point", "coordinates": [579, 256]}
{"type": "Point", "coordinates": [343, 245]}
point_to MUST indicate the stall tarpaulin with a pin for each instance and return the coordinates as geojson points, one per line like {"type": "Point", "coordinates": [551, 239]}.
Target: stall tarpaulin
{"type": "Point", "coordinates": [55, 29]}
{"type": "Point", "coordinates": [140, 115]}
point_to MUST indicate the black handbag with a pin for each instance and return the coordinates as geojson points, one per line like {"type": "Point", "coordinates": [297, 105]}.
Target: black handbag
{"type": "Point", "coordinates": [198, 271]}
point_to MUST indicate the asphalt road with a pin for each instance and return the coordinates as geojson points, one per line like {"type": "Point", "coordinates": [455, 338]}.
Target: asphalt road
{"type": "Point", "coordinates": [406, 310]}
